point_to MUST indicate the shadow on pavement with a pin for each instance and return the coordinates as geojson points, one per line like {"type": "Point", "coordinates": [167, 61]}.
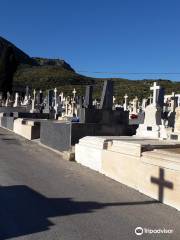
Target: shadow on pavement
{"type": "Point", "coordinates": [24, 211]}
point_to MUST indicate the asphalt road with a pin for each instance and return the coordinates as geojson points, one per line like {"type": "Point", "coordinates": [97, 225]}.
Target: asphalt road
{"type": "Point", "coordinates": [45, 197]}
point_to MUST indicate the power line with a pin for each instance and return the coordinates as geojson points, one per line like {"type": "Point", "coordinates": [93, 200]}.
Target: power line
{"type": "Point", "coordinates": [130, 73]}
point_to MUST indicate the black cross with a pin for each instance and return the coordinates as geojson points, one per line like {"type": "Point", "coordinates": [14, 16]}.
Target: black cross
{"type": "Point", "coordinates": [162, 184]}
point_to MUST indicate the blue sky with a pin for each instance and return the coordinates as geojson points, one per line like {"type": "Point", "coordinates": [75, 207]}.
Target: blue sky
{"type": "Point", "coordinates": [133, 36]}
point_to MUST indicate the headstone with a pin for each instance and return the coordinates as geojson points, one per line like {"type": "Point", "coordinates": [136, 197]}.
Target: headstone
{"type": "Point", "coordinates": [176, 134]}
{"type": "Point", "coordinates": [16, 103]}
{"type": "Point", "coordinates": [160, 97]}
{"type": "Point", "coordinates": [39, 98]}
{"type": "Point", "coordinates": [107, 95]}
{"type": "Point", "coordinates": [74, 93]}
{"type": "Point", "coordinates": [177, 120]}
{"type": "Point", "coordinates": [135, 106]}
{"type": "Point", "coordinates": [49, 101]}
{"type": "Point", "coordinates": [125, 102]}
{"type": "Point", "coordinates": [171, 115]}
{"type": "Point", "coordinates": [155, 89]}
{"type": "Point", "coordinates": [150, 99]}
{"type": "Point", "coordinates": [55, 102]}
{"type": "Point", "coordinates": [144, 103]}
{"type": "Point", "coordinates": [151, 127]}
{"type": "Point", "coordinates": [8, 103]}
{"type": "Point", "coordinates": [174, 102]}
{"type": "Point", "coordinates": [88, 97]}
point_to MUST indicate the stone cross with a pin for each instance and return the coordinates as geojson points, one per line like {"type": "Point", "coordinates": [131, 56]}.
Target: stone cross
{"type": "Point", "coordinates": [34, 93]}
{"type": "Point", "coordinates": [41, 96]}
{"type": "Point", "coordinates": [66, 106]}
{"type": "Point", "coordinates": [74, 93]}
{"type": "Point", "coordinates": [95, 103]}
{"type": "Point", "coordinates": [114, 99]}
{"type": "Point", "coordinates": [144, 102]}
{"type": "Point", "coordinates": [162, 183]}
{"type": "Point", "coordinates": [16, 100]}
{"type": "Point", "coordinates": [155, 88]}
{"type": "Point", "coordinates": [174, 102]}
{"type": "Point", "coordinates": [135, 105]}
{"type": "Point", "coordinates": [8, 99]}
{"type": "Point", "coordinates": [55, 101]}
{"type": "Point", "coordinates": [150, 99]}
{"type": "Point", "coordinates": [61, 96]}
{"type": "Point", "coordinates": [33, 106]}
{"type": "Point", "coordinates": [125, 102]}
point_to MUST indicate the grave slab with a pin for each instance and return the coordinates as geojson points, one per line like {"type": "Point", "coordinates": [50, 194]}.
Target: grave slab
{"type": "Point", "coordinates": [57, 135]}
{"type": "Point", "coordinates": [132, 160]}
{"type": "Point", "coordinates": [29, 129]}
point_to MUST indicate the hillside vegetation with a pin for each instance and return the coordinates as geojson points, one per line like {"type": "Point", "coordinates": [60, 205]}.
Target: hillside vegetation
{"type": "Point", "coordinates": [44, 73]}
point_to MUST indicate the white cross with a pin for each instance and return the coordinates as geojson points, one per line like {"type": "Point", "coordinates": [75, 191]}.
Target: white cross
{"type": "Point", "coordinates": [66, 105]}
{"type": "Point", "coordinates": [173, 95]}
{"type": "Point", "coordinates": [74, 92]}
{"type": "Point", "coordinates": [126, 96]}
{"type": "Point", "coordinates": [125, 102]}
{"type": "Point", "coordinates": [135, 99]}
{"type": "Point", "coordinates": [114, 99]}
{"type": "Point", "coordinates": [34, 92]}
{"type": "Point", "coordinates": [154, 88]}
{"type": "Point", "coordinates": [174, 100]}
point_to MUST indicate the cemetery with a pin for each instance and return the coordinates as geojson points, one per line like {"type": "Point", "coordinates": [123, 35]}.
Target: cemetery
{"type": "Point", "coordinates": [89, 120]}
{"type": "Point", "coordinates": [136, 143]}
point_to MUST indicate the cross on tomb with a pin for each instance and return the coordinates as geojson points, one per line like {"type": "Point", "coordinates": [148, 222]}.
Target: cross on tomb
{"type": "Point", "coordinates": [34, 92]}
{"type": "Point", "coordinates": [155, 88]}
{"type": "Point", "coordinates": [126, 96]}
{"type": "Point", "coordinates": [125, 102]}
{"type": "Point", "coordinates": [174, 101]}
{"type": "Point", "coordinates": [114, 99]}
{"type": "Point", "coordinates": [74, 92]}
{"type": "Point", "coordinates": [150, 99]}
{"type": "Point", "coordinates": [162, 183]}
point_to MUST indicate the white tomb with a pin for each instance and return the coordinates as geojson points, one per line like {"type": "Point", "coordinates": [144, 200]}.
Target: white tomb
{"type": "Point", "coordinates": [135, 162]}
{"type": "Point", "coordinates": [152, 126]}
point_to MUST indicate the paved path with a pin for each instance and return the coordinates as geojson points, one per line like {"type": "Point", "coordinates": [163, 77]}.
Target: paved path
{"type": "Point", "coordinates": [45, 197]}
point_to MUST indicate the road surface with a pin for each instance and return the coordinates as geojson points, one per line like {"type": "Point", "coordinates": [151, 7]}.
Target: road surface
{"type": "Point", "coordinates": [45, 197]}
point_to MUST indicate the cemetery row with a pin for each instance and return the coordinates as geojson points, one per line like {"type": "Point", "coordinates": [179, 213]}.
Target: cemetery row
{"type": "Point", "coordinates": [135, 144]}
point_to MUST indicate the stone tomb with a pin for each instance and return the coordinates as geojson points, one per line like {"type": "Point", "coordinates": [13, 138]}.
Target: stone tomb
{"type": "Point", "coordinates": [28, 128]}
{"type": "Point", "coordinates": [152, 123]}
{"type": "Point", "coordinates": [61, 135]}
{"type": "Point", "coordinates": [7, 119]}
{"type": "Point", "coordinates": [159, 175]}
{"type": "Point", "coordinates": [135, 162]}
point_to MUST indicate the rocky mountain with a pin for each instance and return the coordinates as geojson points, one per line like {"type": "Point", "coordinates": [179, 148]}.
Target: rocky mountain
{"type": "Point", "coordinates": [24, 59]}
{"type": "Point", "coordinates": [44, 73]}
